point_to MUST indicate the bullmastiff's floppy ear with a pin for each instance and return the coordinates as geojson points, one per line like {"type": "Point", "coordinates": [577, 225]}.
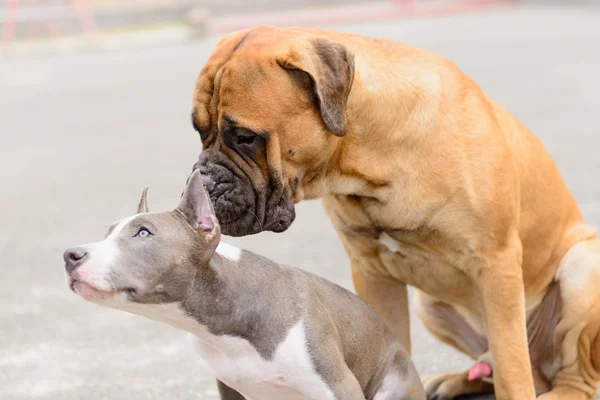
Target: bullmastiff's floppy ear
{"type": "Point", "coordinates": [330, 66]}
{"type": "Point", "coordinates": [196, 206]}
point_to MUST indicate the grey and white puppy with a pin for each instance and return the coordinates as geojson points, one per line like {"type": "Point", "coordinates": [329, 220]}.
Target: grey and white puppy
{"type": "Point", "coordinates": [269, 332]}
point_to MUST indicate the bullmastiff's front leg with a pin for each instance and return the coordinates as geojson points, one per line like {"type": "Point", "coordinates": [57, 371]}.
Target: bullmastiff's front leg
{"type": "Point", "coordinates": [389, 297]}
{"type": "Point", "coordinates": [372, 281]}
{"type": "Point", "coordinates": [501, 285]}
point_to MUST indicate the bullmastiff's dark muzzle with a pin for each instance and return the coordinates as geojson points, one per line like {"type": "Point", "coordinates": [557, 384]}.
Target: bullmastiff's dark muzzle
{"type": "Point", "coordinates": [243, 205]}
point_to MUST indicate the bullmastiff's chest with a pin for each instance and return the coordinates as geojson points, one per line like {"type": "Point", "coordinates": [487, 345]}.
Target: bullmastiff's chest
{"type": "Point", "coordinates": [421, 255]}
{"type": "Point", "coordinates": [424, 259]}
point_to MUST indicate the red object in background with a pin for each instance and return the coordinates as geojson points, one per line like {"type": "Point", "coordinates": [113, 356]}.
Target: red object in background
{"type": "Point", "coordinates": [84, 16]}
{"type": "Point", "coordinates": [82, 11]}
{"type": "Point", "coordinates": [9, 23]}
{"type": "Point", "coordinates": [349, 13]}
{"type": "Point", "coordinates": [52, 25]}
{"type": "Point", "coordinates": [406, 4]}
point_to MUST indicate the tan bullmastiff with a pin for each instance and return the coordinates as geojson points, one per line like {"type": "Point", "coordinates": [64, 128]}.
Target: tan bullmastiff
{"type": "Point", "coordinates": [428, 182]}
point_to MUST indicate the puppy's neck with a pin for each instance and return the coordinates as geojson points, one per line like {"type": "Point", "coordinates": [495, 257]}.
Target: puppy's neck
{"type": "Point", "coordinates": [220, 291]}
{"type": "Point", "coordinates": [208, 299]}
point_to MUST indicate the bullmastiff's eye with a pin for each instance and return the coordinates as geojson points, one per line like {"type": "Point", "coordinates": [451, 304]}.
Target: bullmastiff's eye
{"type": "Point", "coordinates": [244, 136]}
{"type": "Point", "coordinates": [143, 233]}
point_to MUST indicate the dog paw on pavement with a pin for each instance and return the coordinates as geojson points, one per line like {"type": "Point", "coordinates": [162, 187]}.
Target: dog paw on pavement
{"type": "Point", "coordinates": [450, 386]}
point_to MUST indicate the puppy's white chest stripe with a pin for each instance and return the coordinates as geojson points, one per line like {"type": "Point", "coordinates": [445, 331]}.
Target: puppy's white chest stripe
{"type": "Point", "coordinates": [230, 252]}
{"type": "Point", "coordinates": [290, 373]}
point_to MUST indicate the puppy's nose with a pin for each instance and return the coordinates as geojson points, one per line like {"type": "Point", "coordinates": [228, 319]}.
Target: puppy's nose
{"type": "Point", "coordinates": [74, 257]}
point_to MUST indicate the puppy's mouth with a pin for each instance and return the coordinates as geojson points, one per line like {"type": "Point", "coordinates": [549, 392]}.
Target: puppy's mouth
{"type": "Point", "coordinates": [91, 292]}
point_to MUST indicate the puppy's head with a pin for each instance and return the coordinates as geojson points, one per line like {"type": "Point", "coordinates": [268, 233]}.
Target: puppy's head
{"type": "Point", "coordinates": [270, 107]}
{"type": "Point", "coordinates": [148, 258]}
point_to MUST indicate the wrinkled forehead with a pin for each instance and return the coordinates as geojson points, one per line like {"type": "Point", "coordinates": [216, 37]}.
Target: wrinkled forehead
{"type": "Point", "coordinates": [248, 92]}
{"type": "Point", "coordinates": [249, 88]}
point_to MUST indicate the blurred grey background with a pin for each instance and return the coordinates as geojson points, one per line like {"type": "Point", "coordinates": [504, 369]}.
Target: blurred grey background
{"type": "Point", "coordinates": [94, 105]}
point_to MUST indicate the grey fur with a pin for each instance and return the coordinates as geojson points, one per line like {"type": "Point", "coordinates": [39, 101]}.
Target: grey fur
{"type": "Point", "coordinates": [227, 393]}
{"type": "Point", "coordinates": [143, 206]}
{"type": "Point", "coordinates": [256, 299]}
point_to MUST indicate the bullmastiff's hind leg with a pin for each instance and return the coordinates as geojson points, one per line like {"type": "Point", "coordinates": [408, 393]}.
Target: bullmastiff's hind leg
{"type": "Point", "coordinates": [447, 325]}
{"type": "Point", "coordinates": [566, 393]}
{"type": "Point", "coordinates": [577, 336]}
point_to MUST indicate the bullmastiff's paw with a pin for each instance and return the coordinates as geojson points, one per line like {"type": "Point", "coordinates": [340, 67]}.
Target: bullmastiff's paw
{"type": "Point", "coordinates": [449, 386]}
{"type": "Point", "coordinates": [565, 393]}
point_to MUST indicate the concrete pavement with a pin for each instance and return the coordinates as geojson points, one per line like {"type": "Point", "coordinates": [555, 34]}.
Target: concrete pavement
{"type": "Point", "coordinates": [82, 134]}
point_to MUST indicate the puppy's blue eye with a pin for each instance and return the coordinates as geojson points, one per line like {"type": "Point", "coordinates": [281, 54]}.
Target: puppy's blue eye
{"type": "Point", "coordinates": [143, 233]}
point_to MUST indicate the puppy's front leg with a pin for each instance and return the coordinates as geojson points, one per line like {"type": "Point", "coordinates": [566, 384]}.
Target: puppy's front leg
{"type": "Point", "coordinates": [348, 387]}
{"type": "Point", "coordinates": [501, 283]}
{"type": "Point", "coordinates": [227, 393]}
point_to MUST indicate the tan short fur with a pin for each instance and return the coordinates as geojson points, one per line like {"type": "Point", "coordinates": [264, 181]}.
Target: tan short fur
{"type": "Point", "coordinates": [429, 183]}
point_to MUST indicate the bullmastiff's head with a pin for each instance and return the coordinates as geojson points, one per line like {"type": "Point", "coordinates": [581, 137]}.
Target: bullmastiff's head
{"type": "Point", "coordinates": [270, 107]}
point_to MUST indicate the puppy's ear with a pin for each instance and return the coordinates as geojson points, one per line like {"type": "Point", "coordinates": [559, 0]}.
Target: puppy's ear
{"type": "Point", "coordinates": [330, 66]}
{"type": "Point", "coordinates": [196, 206]}
{"type": "Point", "coordinates": [143, 206]}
